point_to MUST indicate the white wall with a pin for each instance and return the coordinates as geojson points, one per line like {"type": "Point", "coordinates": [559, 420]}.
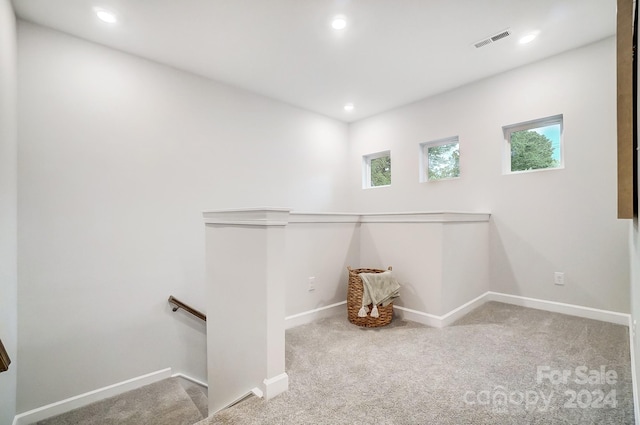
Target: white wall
{"type": "Point", "coordinates": [8, 205]}
{"type": "Point", "coordinates": [634, 247]}
{"type": "Point", "coordinates": [542, 222]}
{"type": "Point", "coordinates": [415, 251]}
{"type": "Point", "coordinates": [440, 265]}
{"type": "Point", "coordinates": [118, 157]}
{"type": "Point", "coordinates": [323, 251]}
{"type": "Point", "coordinates": [441, 260]}
{"type": "Point", "coordinates": [634, 244]}
{"type": "Point", "coordinates": [465, 263]}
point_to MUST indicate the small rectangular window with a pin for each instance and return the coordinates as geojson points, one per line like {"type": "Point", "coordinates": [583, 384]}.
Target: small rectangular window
{"type": "Point", "coordinates": [440, 159]}
{"type": "Point", "coordinates": [376, 170]}
{"type": "Point", "coordinates": [533, 145]}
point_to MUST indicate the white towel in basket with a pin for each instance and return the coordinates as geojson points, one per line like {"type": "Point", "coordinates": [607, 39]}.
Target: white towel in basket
{"type": "Point", "coordinates": [378, 288]}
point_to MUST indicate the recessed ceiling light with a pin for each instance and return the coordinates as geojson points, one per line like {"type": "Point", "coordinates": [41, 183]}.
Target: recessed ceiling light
{"type": "Point", "coordinates": [348, 107]}
{"type": "Point", "coordinates": [528, 38]}
{"type": "Point", "coordinates": [106, 16]}
{"type": "Point", "coordinates": [339, 23]}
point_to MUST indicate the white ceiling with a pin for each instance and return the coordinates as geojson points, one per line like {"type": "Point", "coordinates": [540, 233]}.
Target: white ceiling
{"type": "Point", "coordinates": [393, 52]}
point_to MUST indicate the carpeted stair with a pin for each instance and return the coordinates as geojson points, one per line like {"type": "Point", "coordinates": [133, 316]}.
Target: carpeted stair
{"type": "Point", "coordinates": [172, 401]}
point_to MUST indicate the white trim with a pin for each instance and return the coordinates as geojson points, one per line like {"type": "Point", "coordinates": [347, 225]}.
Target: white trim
{"type": "Point", "coordinates": [276, 385]}
{"type": "Point", "coordinates": [634, 382]}
{"type": "Point", "coordinates": [63, 406]}
{"type": "Point", "coordinates": [445, 320]}
{"type": "Point", "coordinates": [248, 217]}
{"type": "Point", "coordinates": [463, 310]}
{"type": "Point", "coordinates": [558, 307]}
{"type": "Point", "coordinates": [457, 313]}
{"type": "Point", "coordinates": [313, 315]}
{"type": "Point", "coordinates": [391, 217]}
{"type": "Point", "coordinates": [418, 316]}
{"type": "Point", "coordinates": [247, 210]}
{"type": "Point", "coordinates": [306, 217]}
{"type": "Point", "coordinates": [272, 387]}
{"type": "Point", "coordinates": [535, 123]}
{"type": "Point", "coordinates": [255, 391]}
{"type": "Point", "coordinates": [283, 217]}
{"type": "Point", "coordinates": [190, 379]}
{"type": "Point", "coordinates": [425, 217]}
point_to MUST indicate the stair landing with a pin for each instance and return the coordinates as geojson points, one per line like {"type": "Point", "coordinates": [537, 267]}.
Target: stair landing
{"type": "Point", "coordinates": [172, 401]}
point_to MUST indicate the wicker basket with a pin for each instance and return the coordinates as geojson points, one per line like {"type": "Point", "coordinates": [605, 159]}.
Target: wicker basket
{"type": "Point", "coordinates": [354, 302]}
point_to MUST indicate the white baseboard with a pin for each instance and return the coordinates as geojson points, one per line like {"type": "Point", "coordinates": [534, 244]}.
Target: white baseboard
{"type": "Point", "coordinates": [313, 315]}
{"type": "Point", "coordinates": [417, 316]}
{"type": "Point", "coordinates": [190, 379]}
{"type": "Point", "coordinates": [557, 307]}
{"type": "Point", "coordinates": [270, 388]}
{"type": "Point", "coordinates": [440, 321]}
{"type": "Point", "coordinates": [463, 310]}
{"type": "Point", "coordinates": [551, 306]}
{"type": "Point", "coordinates": [276, 385]}
{"type": "Point", "coordinates": [457, 313]}
{"type": "Point", "coordinates": [82, 400]}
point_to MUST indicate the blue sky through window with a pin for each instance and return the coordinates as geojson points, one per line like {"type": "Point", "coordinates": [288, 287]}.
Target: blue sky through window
{"type": "Point", "coordinates": [552, 132]}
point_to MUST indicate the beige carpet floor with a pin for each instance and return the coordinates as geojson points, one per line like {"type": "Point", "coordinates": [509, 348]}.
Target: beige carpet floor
{"type": "Point", "coordinates": [501, 364]}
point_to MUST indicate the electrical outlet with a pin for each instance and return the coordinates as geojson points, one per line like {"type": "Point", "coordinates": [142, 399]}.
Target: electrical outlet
{"type": "Point", "coordinates": [312, 284]}
{"type": "Point", "coordinates": [558, 278]}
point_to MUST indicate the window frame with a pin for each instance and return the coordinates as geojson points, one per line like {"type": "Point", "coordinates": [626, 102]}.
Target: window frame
{"type": "Point", "coordinates": [366, 168]}
{"type": "Point", "coordinates": [508, 130]}
{"type": "Point", "coordinates": [424, 157]}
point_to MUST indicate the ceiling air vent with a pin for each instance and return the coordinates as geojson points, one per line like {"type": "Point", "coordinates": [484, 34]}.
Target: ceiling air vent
{"type": "Point", "coordinates": [492, 39]}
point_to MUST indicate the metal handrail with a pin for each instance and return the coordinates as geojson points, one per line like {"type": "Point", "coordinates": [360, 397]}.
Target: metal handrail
{"type": "Point", "coordinates": [5, 361]}
{"type": "Point", "coordinates": [179, 304]}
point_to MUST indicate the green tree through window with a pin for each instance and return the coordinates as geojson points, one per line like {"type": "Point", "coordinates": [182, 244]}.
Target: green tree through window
{"type": "Point", "coordinates": [533, 145]}
{"type": "Point", "coordinates": [444, 161]}
{"type": "Point", "coordinates": [531, 150]}
{"type": "Point", "coordinates": [381, 171]}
